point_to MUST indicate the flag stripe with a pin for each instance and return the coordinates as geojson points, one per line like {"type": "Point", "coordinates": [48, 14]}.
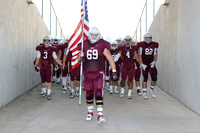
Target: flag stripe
{"type": "Point", "coordinates": [77, 35]}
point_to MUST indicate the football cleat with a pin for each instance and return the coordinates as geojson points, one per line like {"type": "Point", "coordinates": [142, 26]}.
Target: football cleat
{"type": "Point", "coordinates": [139, 92]}
{"type": "Point", "coordinates": [58, 83]}
{"type": "Point", "coordinates": [48, 97]}
{"type": "Point", "coordinates": [145, 95]}
{"type": "Point", "coordinates": [72, 94]}
{"type": "Point", "coordinates": [89, 117]}
{"type": "Point", "coordinates": [116, 91]}
{"type": "Point", "coordinates": [77, 93]}
{"type": "Point", "coordinates": [152, 93]}
{"type": "Point", "coordinates": [101, 120]}
{"type": "Point", "coordinates": [111, 90]}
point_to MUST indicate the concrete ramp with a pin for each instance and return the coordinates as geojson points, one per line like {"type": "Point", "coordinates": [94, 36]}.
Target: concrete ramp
{"type": "Point", "coordinates": [30, 113]}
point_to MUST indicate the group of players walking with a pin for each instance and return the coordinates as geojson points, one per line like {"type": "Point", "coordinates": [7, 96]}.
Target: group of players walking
{"type": "Point", "coordinates": [104, 62]}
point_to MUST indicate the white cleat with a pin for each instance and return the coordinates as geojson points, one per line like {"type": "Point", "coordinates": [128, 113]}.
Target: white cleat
{"type": "Point", "coordinates": [89, 117]}
{"type": "Point", "coordinates": [145, 95]}
{"type": "Point", "coordinates": [152, 93]}
{"type": "Point", "coordinates": [101, 120]}
{"type": "Point", "coordinates": [122, 93]}
{"type": "Point", "coordinates": [130, 96]}
{"type": "Point", "coordinates": [111, 90]}
{"type": "Point", "coordinates": [116, 91]}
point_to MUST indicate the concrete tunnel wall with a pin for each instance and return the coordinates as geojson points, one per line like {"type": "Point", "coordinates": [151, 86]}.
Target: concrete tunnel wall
{"type": "Point", "coordinates": [177, 28]}
{"type": "Point", "coordinates": [21, 29]}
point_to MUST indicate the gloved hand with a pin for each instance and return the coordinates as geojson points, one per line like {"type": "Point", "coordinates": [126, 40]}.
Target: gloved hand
{"type": "Point", "coordinates": [114, 75]}
{"type": "Point", "coordinates": [82, 58]}
{"type": "Point", "coordinates": [152, 64]}
{"type": "Point", "coordinates": [56, 68]}
{"type": "Point", "coordinates": [37, 69]}
{"type": "Point", "coordinates": [143, 66]}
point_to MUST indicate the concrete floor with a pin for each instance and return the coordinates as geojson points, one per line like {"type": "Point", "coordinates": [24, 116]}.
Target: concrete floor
{"type": "Point", "coordinates": [30, 113]}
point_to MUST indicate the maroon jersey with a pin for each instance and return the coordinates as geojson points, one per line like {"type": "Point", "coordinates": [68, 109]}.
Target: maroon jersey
{"type": "Point", "coordinates": [127, 54]}
{"type": "Point", "coordinates": [46, 54]}
{"type": "Point", "coordinates": [147, 51]}
{"type": "Point", "coordinates": [113, 53]}
{"type": "Point", "coordinates": [62, 48]}
{"type": "Point", "coordinates": [93, 53]}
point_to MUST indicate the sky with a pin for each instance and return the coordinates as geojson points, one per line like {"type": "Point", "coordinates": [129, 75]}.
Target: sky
{"type": "Point", "coordinates": [114, 18]}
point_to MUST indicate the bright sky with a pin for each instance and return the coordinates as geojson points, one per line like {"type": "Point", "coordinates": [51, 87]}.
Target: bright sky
{"type": "Point", "coordinates": [114, 18]}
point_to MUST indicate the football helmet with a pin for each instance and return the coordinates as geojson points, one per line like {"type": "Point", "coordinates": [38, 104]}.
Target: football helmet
{"type": "Point", "coordinates": [119, 40]}
{"type": "Point", "coordinates": [94, 35]}
{"type": "Point", "coordinates": [47, 40]}
{"type": "Point", "coordinates": [114, 45]}
{"type": "Point", "coordinates": [127, 40]}
{"type": "Point", "coordinates": [133, 42]}
{"type": "Point", "coordinates": [67, 39]}
{"type": "Point", "coordinates": [61, 40]}
{"type": "Point", "coordinates": [55, 40]}
{"type": "Point", "coordinates": [147, 37]}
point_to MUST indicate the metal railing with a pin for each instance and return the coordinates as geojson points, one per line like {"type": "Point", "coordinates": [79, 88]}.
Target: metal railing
{"type": "Point", "coordinates": [148, 13]}
{"type": "Point", "coordinates": [49, 16]}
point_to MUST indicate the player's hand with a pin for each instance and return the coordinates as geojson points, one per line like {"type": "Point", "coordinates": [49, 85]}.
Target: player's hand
{"type": "Point", "coordinates": [152, 64]}
{"type": "Point", "coordinates": [37, 69]}
{"type": "Point", "coordinates": [114, 75]}
{"type": "Point", "coordinates": [56, 68]}
{"type": "Point", "coordinates": [82, 59]}
{"type": "Point", "coordinates": [143, 66]}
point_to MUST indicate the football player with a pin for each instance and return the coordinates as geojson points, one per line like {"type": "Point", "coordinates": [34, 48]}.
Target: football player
{"type": "Point", "coordinates": [148, 54]}
{"type": "Point", "coordinates": [46, 54]}
{"type": "Point", "coordinates": [127, 53]}
{"type": "Point", "coordinates": [114, 84]}
{"type": "Point", "coordinates": [137, 70]}
{"type": "Point", "coordinates": [94, 52]}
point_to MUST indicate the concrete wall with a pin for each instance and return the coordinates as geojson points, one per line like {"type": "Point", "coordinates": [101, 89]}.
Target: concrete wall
{"type": "Point", "coordinates": [177, 29]}
{"type": "Point", "coordinates": [21, 29]}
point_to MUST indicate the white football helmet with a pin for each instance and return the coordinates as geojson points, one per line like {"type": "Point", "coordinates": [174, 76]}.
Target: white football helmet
{"type": "Point", "coordinates": [147, 37]}
{"type": "Point", "coordinates": [61, 40]}
{"type": "Point", "coordinates": [133, 42]}
{"type": "Point", "coordinates": [47, 40]}
{"type": "Point", "coordinates": [127, 40]}
{"type": "Point", "coordinates": [119, 40]}
{"type": "Point", "coordinates": [55, 40]}
{"type": "Point", "coordinates": [67, 39]}
{"type": "Point", "coordinates": [94, 35]}
{"type": "Point", "coordinates": [114, 45]}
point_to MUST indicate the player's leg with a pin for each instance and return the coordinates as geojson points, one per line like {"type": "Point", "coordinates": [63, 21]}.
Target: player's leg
{"type": "Point", "coordinates": [153, 73]}
{"type": "Point", "coordinates": [49, 72]}
{"type": "Point", "coordinates": [77, 80]}
{"type": "Point", "coordinates": [64, 80]}
{"type": "Point", "coordinates": [144, 83]}
{"type": "Point", "coordinates": [123, 79]}
{"type": "Point", "coordinates": [43, 81]}
{"type": "Point", "coordinates": [137, 78]}
{"type": "Point", "coordinates": [89, 93]}
{"type": "Point", "coordinates": [98, 87]}
{"type": "Point", "coordinates": [130, 82]}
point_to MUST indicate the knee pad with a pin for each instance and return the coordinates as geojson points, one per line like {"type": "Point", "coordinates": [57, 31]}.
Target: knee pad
{"type": "Point", "coordinates": [99, 101]}
{"type": "Point", "coordinates": [89, 100]}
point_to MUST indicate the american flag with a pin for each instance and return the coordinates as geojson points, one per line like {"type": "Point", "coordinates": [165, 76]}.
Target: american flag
{"type": "Point", "coordinates": [77, 35]}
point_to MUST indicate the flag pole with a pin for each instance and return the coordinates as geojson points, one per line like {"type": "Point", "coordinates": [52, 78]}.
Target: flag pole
{"type": "Point", "coordinates": [81, 67]}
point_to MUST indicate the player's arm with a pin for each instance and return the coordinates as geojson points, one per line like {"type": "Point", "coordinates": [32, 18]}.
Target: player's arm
{"type": "Point", "coordinates": [65, 58]}
{"type": "Point", "coordinates": [55, 57]}
{"type": "Point", "coordinates": [37, 59]}
{"type": "Point", "coordinates": [108, 55]}
{"type": "Point", "coordinates": [136, 56]}
{"type": "Point", "coordinates": [140, 59]}
{"type": "Point", "coordinates": [59, 54]}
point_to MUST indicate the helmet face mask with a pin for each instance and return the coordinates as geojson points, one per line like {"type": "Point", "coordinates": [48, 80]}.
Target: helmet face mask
{"type": "Point", "coordinates": [147, 37]}
{"type": "Point", "coordinates": [114, 45]}
{"type": "Point", "coordinates": [55, 40]}
{"type": "Point", "coordinates": [47, 40]}
{"type": "Point", "coordinates": [94, 35]}
{"type": "Point", "coordinates": [127, 41]}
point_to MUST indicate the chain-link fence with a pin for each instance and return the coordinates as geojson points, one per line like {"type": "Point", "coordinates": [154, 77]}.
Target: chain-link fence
{"type": "Point", "coordinates": [49, 16]}
{"type": "Point", "coordinates": [148, 13]}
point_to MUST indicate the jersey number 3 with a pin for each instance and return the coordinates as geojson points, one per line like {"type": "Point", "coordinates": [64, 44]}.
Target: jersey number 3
{"type": "Point", "coordinates": [45, 55]}
{"type": "Point", "coordinates": [92, 54]}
